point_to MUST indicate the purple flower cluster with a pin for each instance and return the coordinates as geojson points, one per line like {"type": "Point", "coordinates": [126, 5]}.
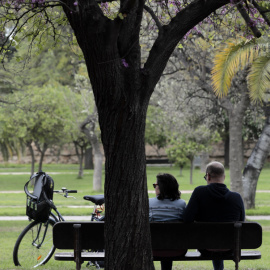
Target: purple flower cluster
{"type": "Point", "coordinates": [125, 64]}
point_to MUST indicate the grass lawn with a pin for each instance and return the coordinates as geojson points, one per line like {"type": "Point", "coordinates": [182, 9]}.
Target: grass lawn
{"type": "Point", "coordinates": [14, 204]}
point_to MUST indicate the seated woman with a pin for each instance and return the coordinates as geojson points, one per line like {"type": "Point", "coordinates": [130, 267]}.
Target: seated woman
{"type": "Point", "coordinates": [166, 206]}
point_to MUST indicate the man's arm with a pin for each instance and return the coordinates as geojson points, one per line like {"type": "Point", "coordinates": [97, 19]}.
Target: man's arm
{"type": "Point", "coordinates": [191, 209]}
{"type": "Point", "coordinates": [243, 214]}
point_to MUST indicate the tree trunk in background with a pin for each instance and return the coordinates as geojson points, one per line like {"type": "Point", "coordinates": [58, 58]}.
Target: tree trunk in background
{"type": "Point", "coordinates": [29, 145]}
{"type": "Point", "coordinates": [88, 127]}
{"type": "Point", "coordinates": [80, 158]}
{"type": "Point", "coordinates": [42, 152]}
{"type": "Point", "coordinates": [98, 163]}
{"type": "Point", "coordinates": [255, 163]}
{"type": "Point", "coordinates": [227, 151]}
{"type": "Point", "coordinates": [236, 152]}
{"type": "Point", "coordinates": [88, 159]}
{"type": "Point", "coordinates": [204, 161]}
{"type": "Point", "coordinates": [236, 109]}
{"type": "Point", "coordinates": [191, 171]}
{"type": "Point", "coordinates": [181, 171]}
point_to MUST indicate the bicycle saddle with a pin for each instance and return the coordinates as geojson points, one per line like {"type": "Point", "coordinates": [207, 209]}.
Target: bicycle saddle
{"type": "Point", "coordinates": [96, 199]}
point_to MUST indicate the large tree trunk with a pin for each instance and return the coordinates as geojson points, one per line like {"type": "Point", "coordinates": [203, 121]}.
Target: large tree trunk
{"type": "Point", "coordinates": [255, 164]}
{"type": "Point", "coordinates": [122, 89]}
{"type": "Point", "coordinates": [126, 187]}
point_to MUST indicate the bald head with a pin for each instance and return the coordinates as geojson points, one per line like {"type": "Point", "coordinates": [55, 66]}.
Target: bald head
{"type": "Point", "coordinates": [216, 171]}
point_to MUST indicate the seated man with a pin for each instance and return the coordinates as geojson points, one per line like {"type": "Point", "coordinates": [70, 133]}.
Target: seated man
{"type": "Point", "coordinates": [166, 206]}
{"type": "Point", "coordinates": [214, 203]}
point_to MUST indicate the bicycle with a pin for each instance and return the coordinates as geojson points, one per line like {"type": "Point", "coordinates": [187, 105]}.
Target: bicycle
{"type": "Point", "coordinates": [98, 201]}
{"type": "Point", "coordinates": [34, 246]}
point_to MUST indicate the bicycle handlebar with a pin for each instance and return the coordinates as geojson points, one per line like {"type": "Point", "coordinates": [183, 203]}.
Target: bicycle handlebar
{"type": "Point", "coordinates": [65, 192]}
{"type": "Point", "coordinates": [72, 191]}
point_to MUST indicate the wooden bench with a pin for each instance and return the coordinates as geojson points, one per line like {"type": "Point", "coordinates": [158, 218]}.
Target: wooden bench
{"type": "Point", "coordinates": [236, 236]}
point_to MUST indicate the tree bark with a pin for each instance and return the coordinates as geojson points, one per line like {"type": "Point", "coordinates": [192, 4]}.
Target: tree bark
{"type": "Point", "coordinates": [125, 161]}
{"type": "Point", "coordinates": [255, 164]}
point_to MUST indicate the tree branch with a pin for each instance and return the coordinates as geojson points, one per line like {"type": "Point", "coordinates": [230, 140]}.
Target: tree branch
{"type": "Point", "coordinates": [255, 4]}
{"type": "Point", "coordinates": [247, 19]}
{"type": "Point", "coordinates": [171, 34]}
{"type": "Point", "coordinates": [155, 18]}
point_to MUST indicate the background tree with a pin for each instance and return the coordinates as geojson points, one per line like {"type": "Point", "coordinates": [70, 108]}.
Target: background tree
{"type": "Point", "coordinates": [40, 117]}
{"type": "Point", "coordinates": [235, 56]}
{"type": "Point", "coordinates": [122, 87]}
{"type": "Point", "coordinates": [189, 145]}
{"type": "Point", "coordinates": [88, 125]}
{"type": "Point", "coordinates": [155, 131]}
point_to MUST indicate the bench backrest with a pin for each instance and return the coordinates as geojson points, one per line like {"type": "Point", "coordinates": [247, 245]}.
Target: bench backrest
{"type": "Point", "coordinates": [198, 235]}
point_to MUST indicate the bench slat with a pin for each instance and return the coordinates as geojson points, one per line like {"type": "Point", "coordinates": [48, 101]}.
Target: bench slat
{"type": "Point", "coordinates": [190, 256]}
{"type": "Point", "coordinates": [185, 236]}
{"type": "Point", "coordinates": [86, 256]}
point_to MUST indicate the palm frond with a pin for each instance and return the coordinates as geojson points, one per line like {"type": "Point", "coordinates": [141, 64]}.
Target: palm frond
{"type": "Point", "coordinates": [259, 78]}
{"type": "Point", "coordinates": [232, 57]}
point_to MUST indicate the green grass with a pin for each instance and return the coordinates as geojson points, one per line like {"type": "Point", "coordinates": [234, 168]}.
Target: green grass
{"type": "Point", "coordinates": [14, 203]}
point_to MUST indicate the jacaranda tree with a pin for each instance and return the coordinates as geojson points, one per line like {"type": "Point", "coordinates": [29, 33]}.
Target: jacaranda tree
{"type": "Point", "coordinates": [108, 34]}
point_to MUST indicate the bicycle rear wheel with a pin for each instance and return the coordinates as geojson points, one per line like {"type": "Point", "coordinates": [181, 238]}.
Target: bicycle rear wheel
{"type": "Point", "coordinates": [34, 245]}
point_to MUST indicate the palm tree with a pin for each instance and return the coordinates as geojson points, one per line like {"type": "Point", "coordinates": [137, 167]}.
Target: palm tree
{"type": "Point", "coordinates": [234, 56]}
{"type": "Point", "coordinates": [254, 56]}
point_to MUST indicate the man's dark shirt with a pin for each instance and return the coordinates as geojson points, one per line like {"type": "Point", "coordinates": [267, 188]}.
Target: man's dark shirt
{"type": "Point", "coordinates": [214, 203]}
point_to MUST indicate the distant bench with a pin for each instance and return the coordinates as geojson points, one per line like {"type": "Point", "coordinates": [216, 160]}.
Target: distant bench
{"type": "Point", "coordinates": [236, 236]}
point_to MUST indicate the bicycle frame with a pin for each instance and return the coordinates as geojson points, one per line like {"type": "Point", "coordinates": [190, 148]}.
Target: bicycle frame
{"type": "Point", "coordinates": [96, 214]}
{"type": "Point", "coordinates": [43, 237]}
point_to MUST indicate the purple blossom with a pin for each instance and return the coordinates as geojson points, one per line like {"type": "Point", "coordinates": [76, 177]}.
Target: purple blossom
{"type": "Point", "coordinates": [125, 64]}
{"type": "Point", "coordinates": [75, 3]}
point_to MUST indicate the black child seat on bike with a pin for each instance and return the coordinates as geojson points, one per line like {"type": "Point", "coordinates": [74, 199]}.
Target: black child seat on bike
{"type": "Point", "coordinates": [96, 199]}
{"type": "Point", "coordinates": [39, 203]}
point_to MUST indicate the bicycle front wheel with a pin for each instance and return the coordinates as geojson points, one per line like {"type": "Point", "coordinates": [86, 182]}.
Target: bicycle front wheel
{"type": "Point", "coordinates": [34, 245]}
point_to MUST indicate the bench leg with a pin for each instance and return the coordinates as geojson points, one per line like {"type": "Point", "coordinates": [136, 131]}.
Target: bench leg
{"type": "Point", "coordinates": [77, 246]}
{"type": "Point", "coordinates": [237, 245]}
